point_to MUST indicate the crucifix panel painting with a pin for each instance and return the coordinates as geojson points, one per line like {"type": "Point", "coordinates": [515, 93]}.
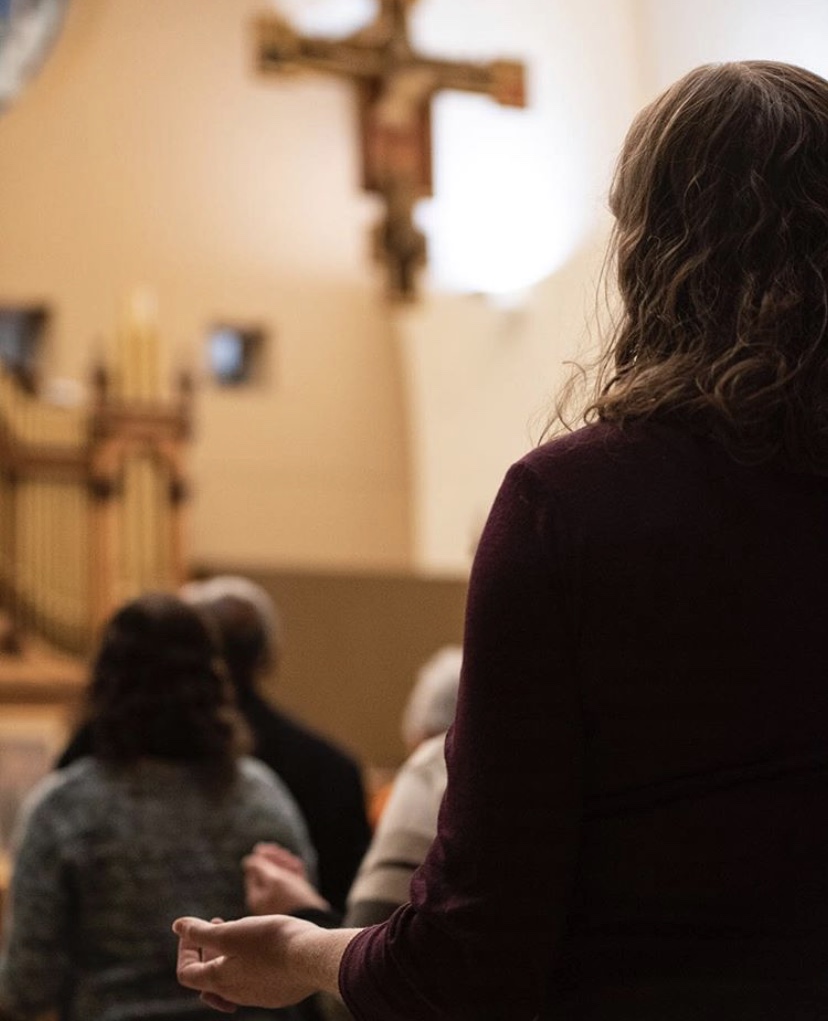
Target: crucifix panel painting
{"type": "Point", "coordinates": [395, 86]}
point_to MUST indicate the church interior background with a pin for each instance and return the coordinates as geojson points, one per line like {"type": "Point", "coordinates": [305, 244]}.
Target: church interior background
{"type": "Point", "coordinates": [164, 200]}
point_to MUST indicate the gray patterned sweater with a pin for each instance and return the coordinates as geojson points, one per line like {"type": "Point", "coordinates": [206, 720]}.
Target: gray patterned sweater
{"type": "Point", "coordinates": [106, 859]}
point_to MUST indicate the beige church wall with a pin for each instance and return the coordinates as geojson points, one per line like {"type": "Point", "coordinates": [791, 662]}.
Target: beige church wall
{"type": "Point", "coordinates": [677, 36]}
{"type": "Point", "coordinates": [483, 369]}
{"type": "Point", "coordinates": [148, 154]}
{"type": "Point", "coordinates": [483, 384]}
{"type": "Point", "coordinates": [352, 647]}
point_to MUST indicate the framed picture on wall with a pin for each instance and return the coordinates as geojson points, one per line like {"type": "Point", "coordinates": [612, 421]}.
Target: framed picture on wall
{"type": "Point", "coordinates": [22, 330]}
{"type": "Point", "coordinates": [236, 354]}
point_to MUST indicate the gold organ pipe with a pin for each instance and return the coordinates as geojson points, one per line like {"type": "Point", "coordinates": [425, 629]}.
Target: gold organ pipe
{"type": "Point", "coordinates": [73, 542]}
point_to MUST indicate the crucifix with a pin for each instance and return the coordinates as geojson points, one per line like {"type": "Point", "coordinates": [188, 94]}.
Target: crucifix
{"type": "Point", "coordinates": [395, 86]}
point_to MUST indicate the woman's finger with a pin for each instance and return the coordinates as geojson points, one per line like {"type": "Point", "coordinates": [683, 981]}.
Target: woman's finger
{"type": "Point", "coordinates": [199, 952]}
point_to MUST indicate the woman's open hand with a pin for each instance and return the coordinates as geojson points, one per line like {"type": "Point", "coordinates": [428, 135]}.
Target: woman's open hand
{"type": "Point", "coordinates": [270, 961]}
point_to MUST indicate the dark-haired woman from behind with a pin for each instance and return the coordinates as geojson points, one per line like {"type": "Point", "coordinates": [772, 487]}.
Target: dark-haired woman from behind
{"type": "Point", "coordinates": [156, 821]}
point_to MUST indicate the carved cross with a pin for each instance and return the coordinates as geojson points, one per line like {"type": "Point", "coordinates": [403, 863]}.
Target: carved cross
{"type": "Point", "coordinates": [395, 86]}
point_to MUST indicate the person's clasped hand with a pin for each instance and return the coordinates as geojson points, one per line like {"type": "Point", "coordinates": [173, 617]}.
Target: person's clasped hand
{"type": "Point", "coordinates": [275, 882]}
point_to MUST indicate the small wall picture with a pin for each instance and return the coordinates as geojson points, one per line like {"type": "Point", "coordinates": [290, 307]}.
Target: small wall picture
{"type": "Point", "coordinates": [21, 339]}
{"type": "Point", "coordinates": [235, 354]}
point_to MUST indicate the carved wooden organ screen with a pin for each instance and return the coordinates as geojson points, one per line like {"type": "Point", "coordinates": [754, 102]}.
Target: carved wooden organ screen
{"type": "Point", "coordinates": [91, 508]}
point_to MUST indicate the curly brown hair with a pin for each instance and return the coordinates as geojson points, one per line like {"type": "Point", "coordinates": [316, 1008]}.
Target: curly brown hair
{"type": "Point", "coordinates": [721, 251]}
{"type": "Point", "coordinates": [159, 689]}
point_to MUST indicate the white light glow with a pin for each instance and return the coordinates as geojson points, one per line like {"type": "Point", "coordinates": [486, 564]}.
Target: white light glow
{"type": "Point", "coordinates": [506, 211]}
{"type": "Point", "coordinates": [514, 192]}
{"type": "Point", "coordinates": [327, 17]}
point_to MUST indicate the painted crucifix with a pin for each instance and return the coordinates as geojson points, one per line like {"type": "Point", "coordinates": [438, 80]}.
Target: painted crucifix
{"type": "Point", "coordinates": [395, 86]}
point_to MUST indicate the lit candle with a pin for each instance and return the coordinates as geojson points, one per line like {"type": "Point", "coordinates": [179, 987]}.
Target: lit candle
{"type": "Point", "coordinates": [140, 369]}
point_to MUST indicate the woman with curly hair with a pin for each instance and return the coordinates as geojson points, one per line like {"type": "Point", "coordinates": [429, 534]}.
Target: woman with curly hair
{"type": "Point", "coordinates": [635, 824]}
{"type": "Point", "coordinates": [156, 821]}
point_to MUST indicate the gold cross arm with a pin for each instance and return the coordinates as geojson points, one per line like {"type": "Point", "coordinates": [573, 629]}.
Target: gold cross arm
{"type": "Point", "coordinates": [280, 48]}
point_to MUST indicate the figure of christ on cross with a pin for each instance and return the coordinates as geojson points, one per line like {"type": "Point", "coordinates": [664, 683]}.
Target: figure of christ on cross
{"type": "Point", "coordinates": [395, 88]}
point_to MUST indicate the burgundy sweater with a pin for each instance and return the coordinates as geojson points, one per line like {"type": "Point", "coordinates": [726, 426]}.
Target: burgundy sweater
{"type": "Point", "coordinates": [636, 820]}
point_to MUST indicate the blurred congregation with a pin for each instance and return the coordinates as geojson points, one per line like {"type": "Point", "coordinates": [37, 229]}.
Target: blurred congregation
{"type": "Point", "coordinates": [184, 787]}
